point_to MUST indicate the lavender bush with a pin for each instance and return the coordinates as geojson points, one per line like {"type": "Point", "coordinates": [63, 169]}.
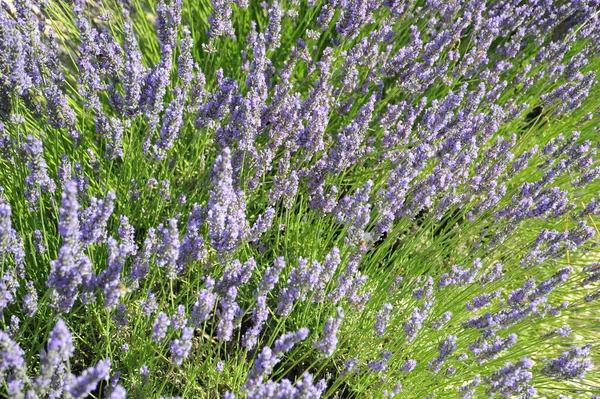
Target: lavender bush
{"type": "Point", "coordinates": [299, 199]}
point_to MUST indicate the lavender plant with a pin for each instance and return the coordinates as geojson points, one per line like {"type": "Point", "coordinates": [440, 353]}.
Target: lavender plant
{"type": "Point", "coordinates": [288, 199]}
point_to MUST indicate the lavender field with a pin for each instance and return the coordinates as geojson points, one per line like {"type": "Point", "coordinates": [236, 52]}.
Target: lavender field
{"type": "Point", "coordinates": [299, 199]}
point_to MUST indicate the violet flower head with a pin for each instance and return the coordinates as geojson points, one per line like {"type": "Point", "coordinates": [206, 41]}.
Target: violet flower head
{"type": "Point", "coordinates": [409, 366]}
{"type": "Point", "coordinates": [511, 380]}
{"type": "Point", "coordinates": [220, 19]}
{"type": "Point", "coordinates": [226, 215]}
{"type": "Point", "coordinates": [38, 179]}
{"type": "Point", "coordinates": [73, 268]}
{"type": "Point", "coordinates": [161, 325]}
{"type": "Point", "coordinates": [12, 365]}
{"type": "Point", "coordinates": [229, 314]}
{"type": "Point", "coordinates": [38, 242]}
{"type": "Point", "coordinates": [59, 350]}
{"type": "Point", "coordinates": [167, 254]}
{"type": "Point", "coordinates": [30, 300]}
{"type": "Point", "coordinates": [89, 379]}
{"type": "Point", "coordinates": [268, 358]}
{"type": "Point", "coordinates": [383, 318]}
{"type": "Point", "coordinates": [205, 303]}
{"type": "Point", "coordinates": [180, 348]}
{"type": "Point", "coordinates": [8, 289]}
{"type": "Point", "coordinates": [327, 342]}
{"type": "Point", "coordinates": [571, 364]}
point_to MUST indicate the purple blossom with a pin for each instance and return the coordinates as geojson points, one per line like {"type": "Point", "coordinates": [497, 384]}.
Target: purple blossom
{"type": "Point", "coordinates": [179, 319]}
{"type": "Point", "coordinates": [120, 318]}
{"type": "Point", "coordinates": [192, 244]}
{"type": "Point", "coordinates": [161, 325]}
{"type": "Point", "coordinates": [511, 380]}
{"type": "Point", "coordinates": [447, 348]}
{"type": "Point", "coordinates": [268, 358]}
{"type": "Point", "coordinates": [481, 301]}
{"type": "Point", "coordinates": [172, 122]}
{"type": "Point", "coordinates": [382, 364]}
{"type": "Point", "coordinates": [167, 252]}
{"type": "Point", "coordinates": [327, 342]}
{"type": "Point", "coordinates": [144, 373]}
{"type": "Point", "coordinates": [409, 366]}
{"type": "Point", "coordinates": [226, 215]}
{"type": "Point", "coordinates": [73, 268]}
{"type": "Point", "coordinates": [570, 364]}
{"type": "Point", "coordinates": [484, 350]}
{"type": "Point", "coordinates": [415, 323]}
{"type": "Point", "coordinates": [438, 324]}
{"type": "Point", "coordinates": [38, 242]}
{"type": "Point", "coordinates": [180, 348]}
{"type": "Point", "coordinates": [260, 313]}
{"type": "Point", "coordinates": [149, 305]}
{"type": "Point", "coordinates": [220, 19]}
{"type": "Point", "coordinates": [383, 318]}
{"type": "Point", "coordinates": [8, 289]}
{"type": "Point", "coordinates": [87, 381]}
{"type": "Point", "coordinates": [30, 300]}
{"type": "Point", "coordinates": [185, 61]}
{"type": "Point", "coordinates": [110, 278]}
{"type": "Point", "coordinates": [229, 314]}
{"type": "Point", "coordinates": [118, 393]}
{"type": "Point", "coordinates": [38, 179]}
{"type": "Point", "coordinates": [12, 365]}
{"type": "Point", "coordinates": [205, 304]}
{"type": "Point", "coordinates": [59, 350]}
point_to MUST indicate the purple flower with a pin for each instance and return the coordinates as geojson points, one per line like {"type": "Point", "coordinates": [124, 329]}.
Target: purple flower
{"type": "Point", "coordinates": [447, 348]}
{"type": "Point", "coordinates": [171, 125]}
{"type": "Point", "coordinates": [484, 350]}
{"type": "Point", "coordinates": [73, 268]}
{"type": "Point", "coordinates": [38, 242]}
{"type": "Point", "coordinates": [144, 373]}
{"type": "Point", "coordinates": [570, 364]}
{"type": "Point", "coordinates": [205, 304]}
{"type": "Point", "coordinates": [192, 244]}
{"type": "Point", "coordinates": [438, 324]}
{"type": "Point", "coordinates": [59, 350]}
{"type": "Point", "coordinates": [110, 278]}
{"type": "Point", "coordinates": [328, 340]}
{"type": "Point", "coordinates": [8, 289]}
{"type": "Point", "coordinates": [118, 393]}
{"type": "Point", "coordinates": [260, 313]}
{"type": "Point", "coordinates": [381, 364]}
{"type": "Point", "coordinates": [268, 358]}
{"type": "Point", "coordinates": [383, 318]}
{"type": "Point", "coordinates": [149, 305]}
{"type": "Point", "coordinates": [180, 348]}
{"type": "Point", "coordinates": [167, 252]}
{"type": "Point", "coordinates": [226, 215]}
{"type": "Point", "coordinates": [185, 62]}
{"type": "Point", "coordinates": [38, 178]}
{"type": "Point", "coordinates": [30, 300]}
{"type": "Point", "coordinates": [12, 365]}
{"type": "Point", "coordinates": [220, 19]}
{"type": "Point", "coordinates": [409, 366]}
{"type": "Point", "coordinates": [87, 381]}
{"type": "Point", "coordinates": [161, 324]}
{"type": "Point", "coordinates": [229, 314]}
{"type": "Point", "coordinates": [179, 319]}
{"type": "Point", "coordinates": [512, 380]}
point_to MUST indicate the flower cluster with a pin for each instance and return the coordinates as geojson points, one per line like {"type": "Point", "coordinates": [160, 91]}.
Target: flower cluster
{"type": "Point", "coordinates": [299, 200]}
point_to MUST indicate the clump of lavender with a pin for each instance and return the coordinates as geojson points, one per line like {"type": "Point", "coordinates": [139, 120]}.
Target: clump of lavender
{"type": "Point", "coordinates": [299, 157]}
